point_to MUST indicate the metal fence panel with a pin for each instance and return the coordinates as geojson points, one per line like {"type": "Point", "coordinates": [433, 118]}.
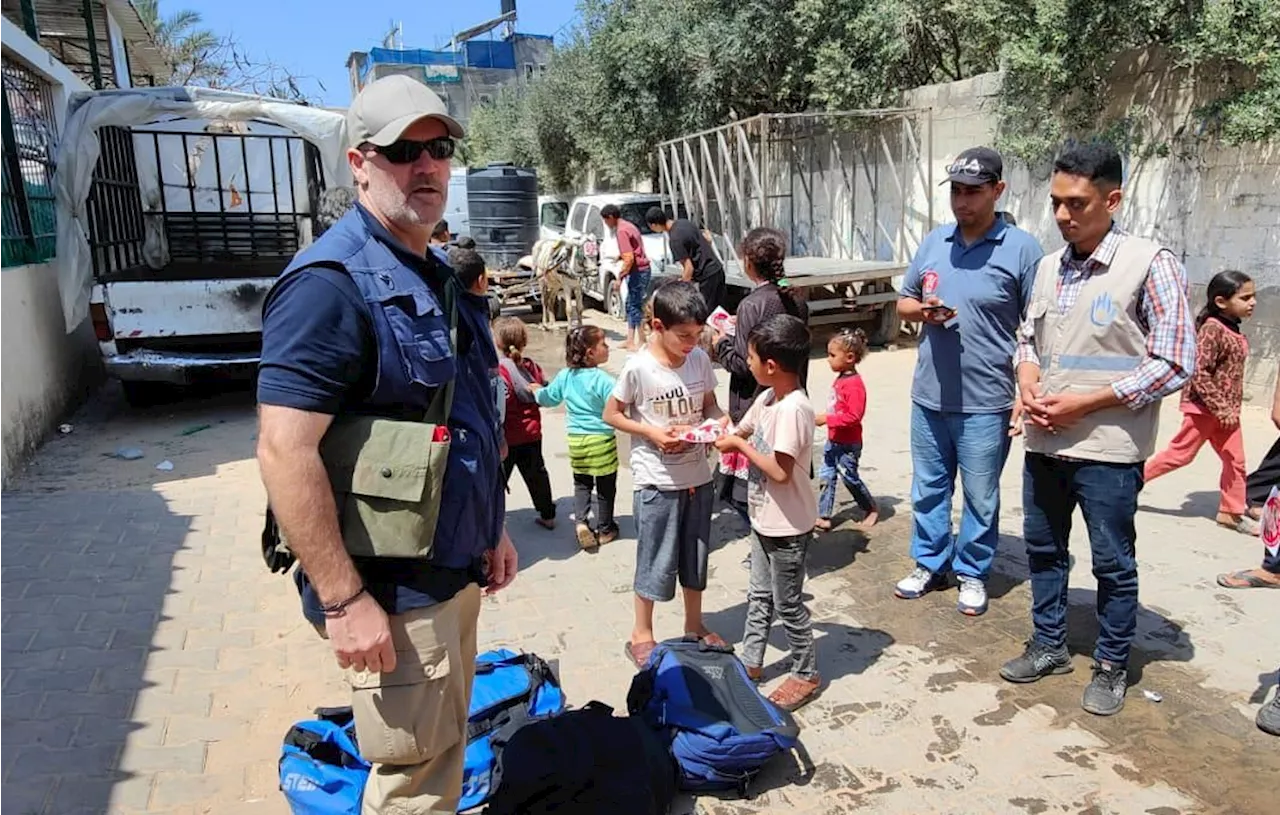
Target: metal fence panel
{"type": "Point", "coordinates": [30, 141]}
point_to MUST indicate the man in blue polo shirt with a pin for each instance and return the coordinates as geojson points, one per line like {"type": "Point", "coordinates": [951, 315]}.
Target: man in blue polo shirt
{"type": "Point", "coordinates": [378, 444]}
{"type": "Point", "coordinates": [969, 283]}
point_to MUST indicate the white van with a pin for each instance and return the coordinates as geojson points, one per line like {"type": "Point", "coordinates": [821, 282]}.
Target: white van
{"type": "Point", "coordinates": [455, 209]}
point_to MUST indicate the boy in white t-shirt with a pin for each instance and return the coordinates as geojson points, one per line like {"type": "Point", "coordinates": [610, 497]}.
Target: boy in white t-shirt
{"type": "Point", "coordinates": [665, 389]}
{"type": "Point", "coordinates": [780, 502]}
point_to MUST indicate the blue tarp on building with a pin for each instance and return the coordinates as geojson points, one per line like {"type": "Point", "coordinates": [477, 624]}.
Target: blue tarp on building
{"type": "Point", "coordinates": [474, 54]}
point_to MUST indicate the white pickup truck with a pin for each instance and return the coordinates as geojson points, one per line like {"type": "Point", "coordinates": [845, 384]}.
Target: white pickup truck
{"type": "Point", "coordinates": [584, 219]}
{"type": "Point", "coordinates": [186, 222]}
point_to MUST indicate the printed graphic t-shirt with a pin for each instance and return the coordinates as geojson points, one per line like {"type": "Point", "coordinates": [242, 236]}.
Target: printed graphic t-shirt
{"type": "Point", "coordinates": [785, 426]}
{"type": "Point", "coordinates": [666, 397]}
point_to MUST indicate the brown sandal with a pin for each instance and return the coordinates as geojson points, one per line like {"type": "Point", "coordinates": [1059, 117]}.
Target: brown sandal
{"type": "Point", "coordinates": [795, 693]}
{"type": "Point", "coordinates": [754, 674]}
{"type": "Point", "coordinates": [638, 653]}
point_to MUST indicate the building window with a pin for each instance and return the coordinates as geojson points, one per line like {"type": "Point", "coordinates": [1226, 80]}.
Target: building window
{"type": "Point", "coordinates": [30, 141]}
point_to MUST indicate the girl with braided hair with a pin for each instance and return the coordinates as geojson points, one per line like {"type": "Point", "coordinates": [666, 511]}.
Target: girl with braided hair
{"type": "Point", "coordinates": [763, 251]}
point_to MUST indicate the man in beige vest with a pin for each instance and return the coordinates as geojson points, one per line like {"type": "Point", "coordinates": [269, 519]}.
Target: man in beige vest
{"type": "Point", "coordinates": [1107, 335]}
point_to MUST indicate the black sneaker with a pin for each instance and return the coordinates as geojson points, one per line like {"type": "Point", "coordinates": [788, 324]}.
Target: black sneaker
{"type": "Point", "coordinates": [1105, 694]}
{"type": "Point", "coordinates": [1038, 660]}
{"type": "Point", "coordinates": [1269, 716]}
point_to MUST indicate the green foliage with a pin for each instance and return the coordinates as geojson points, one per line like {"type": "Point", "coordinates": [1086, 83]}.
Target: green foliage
{"type": "Point", "coordinates": [637, 72]}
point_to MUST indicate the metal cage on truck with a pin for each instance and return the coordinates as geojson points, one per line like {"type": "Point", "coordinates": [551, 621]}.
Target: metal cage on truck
{"type": "Point", "coordinates": [852, 190]}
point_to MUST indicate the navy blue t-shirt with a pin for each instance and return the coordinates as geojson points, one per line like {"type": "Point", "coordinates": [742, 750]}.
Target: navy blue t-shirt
{"type": "Point", "coordinates": [966, 364]}
{"type": "Point", "coordinates": [322, 357]}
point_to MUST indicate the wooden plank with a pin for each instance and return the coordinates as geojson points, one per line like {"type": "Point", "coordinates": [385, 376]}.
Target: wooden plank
{"type": "Point", "coordinates": [745, 147]}
{"type": "Point", "coordinates": [715, 182]}
{"type": "Point", "coordinates": [735, 185]}
{"type": "Point", "coordinates": [665, 179]}
{"type": "Point", "coordinates": [699, 187]}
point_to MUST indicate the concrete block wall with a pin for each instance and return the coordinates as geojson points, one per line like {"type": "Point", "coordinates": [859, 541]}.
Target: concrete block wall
{"type": "Point", "coordinates": [46, 370]}
{"type": "Point", "coordinates": [1216, 206]}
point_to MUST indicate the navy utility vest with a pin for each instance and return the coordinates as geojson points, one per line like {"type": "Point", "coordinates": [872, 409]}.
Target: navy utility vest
{"type": "Point", "coordinates": [416, 360]}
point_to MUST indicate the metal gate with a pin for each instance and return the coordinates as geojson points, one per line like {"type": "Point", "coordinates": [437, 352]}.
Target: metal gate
{"type": "Point", "coordinates": [237, 201]}
{"type": "Point", "coordinates": [848, 184]}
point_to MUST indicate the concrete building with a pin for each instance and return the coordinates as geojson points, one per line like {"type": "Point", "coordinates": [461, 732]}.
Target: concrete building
{"type": "Point", "coordinates": [469, 73]}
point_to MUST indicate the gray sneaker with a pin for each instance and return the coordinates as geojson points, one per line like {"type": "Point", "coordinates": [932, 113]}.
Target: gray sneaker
{"type": "Point", "coordinates": [1269, 716]}
{"type": "Point", "coordinates": [1037, 661]}
{"type": "Point", "coordinates": [1105, 694]}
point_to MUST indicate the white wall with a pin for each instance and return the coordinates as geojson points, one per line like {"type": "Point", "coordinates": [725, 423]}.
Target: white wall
{"type": "Point", "coordinates": [45, 371]}
{"type": "Point", "coordinates": [1216, 206]}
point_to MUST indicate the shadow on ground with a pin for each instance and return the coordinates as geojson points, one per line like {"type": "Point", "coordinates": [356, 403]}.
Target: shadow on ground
{"type": "Point", "coordinates": [90, 555]}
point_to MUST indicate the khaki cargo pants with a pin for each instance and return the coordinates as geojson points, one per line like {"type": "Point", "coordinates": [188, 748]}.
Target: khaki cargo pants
{"type": "Point", "coordinates": [412, 723]}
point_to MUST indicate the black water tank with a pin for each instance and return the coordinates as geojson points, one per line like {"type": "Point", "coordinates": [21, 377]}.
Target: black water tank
{"type": "Point", "coordinates": [502, 203]}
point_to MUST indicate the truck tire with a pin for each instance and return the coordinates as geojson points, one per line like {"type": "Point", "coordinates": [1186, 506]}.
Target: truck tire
{"type": "Point", "coordinates": [887, 326]}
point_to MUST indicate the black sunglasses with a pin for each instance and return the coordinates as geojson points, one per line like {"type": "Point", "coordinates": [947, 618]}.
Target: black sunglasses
{"type": "Point", "coordinates": [406, 151]}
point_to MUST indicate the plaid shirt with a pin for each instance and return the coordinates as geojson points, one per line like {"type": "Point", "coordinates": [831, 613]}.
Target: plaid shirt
{"type": "Point", "coordinates": [1163, 312]}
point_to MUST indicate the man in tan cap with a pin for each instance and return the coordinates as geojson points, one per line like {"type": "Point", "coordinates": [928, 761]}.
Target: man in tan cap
{"type": "Point", "coordinates": [379, 448]}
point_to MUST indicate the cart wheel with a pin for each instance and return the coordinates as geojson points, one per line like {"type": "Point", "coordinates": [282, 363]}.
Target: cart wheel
{"type": "Point", "coordinates": [888, 326]}
{"type": "Point", "coordinates": [561, 311]}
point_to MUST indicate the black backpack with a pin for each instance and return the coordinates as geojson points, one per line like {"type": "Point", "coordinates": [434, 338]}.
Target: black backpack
{"type": "Point", "coordinates": [584, 762]}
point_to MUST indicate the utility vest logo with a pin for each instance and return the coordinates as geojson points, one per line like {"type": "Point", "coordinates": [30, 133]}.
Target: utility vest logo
{"type": "Point", "coordinates": [1103, 311]}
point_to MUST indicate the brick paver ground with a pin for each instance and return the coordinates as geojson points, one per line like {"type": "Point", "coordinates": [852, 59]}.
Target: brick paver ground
{"type": "Point", "coordinates": [150, 664]}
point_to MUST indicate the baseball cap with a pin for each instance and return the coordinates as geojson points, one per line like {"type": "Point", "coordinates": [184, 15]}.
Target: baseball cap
{"type": "Point", "coordinates": [385, 108]}
{"type": "Point", "coordinates": [977, 165]}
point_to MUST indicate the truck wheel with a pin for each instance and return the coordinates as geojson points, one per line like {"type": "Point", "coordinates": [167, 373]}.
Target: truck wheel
{"type": "Point", "coordinates": [613, 305]}
{"type": "Point", "coordinates": [887, 326]}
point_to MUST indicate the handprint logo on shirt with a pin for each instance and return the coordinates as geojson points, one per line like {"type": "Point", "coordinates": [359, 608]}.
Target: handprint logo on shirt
{"type": "Point", "coordinates": [1103, 311]}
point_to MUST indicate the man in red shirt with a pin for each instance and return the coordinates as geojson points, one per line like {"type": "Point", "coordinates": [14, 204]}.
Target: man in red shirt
{"type": "Point", "coordinates": [635, 270]}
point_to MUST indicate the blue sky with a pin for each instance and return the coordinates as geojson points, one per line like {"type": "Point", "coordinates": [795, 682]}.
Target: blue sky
{"type": "Point", "coordinates": [314, 37]}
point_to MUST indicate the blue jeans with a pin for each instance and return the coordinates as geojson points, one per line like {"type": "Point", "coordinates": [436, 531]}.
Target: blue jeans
{"type": "Point", "coordinates": [977, 445]}
{"type": "Point", "coordinates": [842, 460]}
{"type": "Point", "coordinates": [637, 290]}
{"type": "Point", "coordinates": [1107, 495]}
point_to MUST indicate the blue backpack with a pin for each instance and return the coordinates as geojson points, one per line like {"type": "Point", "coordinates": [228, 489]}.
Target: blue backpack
{"type": "Point", "coordinates": [720, 728]}
{"type": "Point", "coordinates": [321, 771]}
{"type": "Point", "coordinates": [510, 690]}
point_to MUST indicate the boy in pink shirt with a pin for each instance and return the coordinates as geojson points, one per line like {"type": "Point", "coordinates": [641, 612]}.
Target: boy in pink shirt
{"type": "Point", "coordinates": [780, 503]}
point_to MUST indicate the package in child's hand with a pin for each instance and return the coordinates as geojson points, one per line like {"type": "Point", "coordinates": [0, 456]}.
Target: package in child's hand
{"type": "Point", "coordinates": [723, 321]}
{"type": "Point", "coordinates": [705, 433]}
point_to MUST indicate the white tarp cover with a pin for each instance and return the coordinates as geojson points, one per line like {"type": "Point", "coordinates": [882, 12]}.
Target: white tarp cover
{"type": "Point", "coordinates": [80, 147]}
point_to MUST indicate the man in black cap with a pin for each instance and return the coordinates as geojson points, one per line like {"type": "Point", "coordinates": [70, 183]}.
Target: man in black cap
{"type": "Point", "coordinates": [969, 284]}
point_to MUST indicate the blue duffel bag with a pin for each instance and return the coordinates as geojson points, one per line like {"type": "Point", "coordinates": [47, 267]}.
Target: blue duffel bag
{"type": "Point", "coordinates": [510, 690]}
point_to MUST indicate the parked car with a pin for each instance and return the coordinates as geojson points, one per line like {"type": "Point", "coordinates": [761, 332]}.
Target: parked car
{"type": "Point", "coordinates": [584, 220]}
